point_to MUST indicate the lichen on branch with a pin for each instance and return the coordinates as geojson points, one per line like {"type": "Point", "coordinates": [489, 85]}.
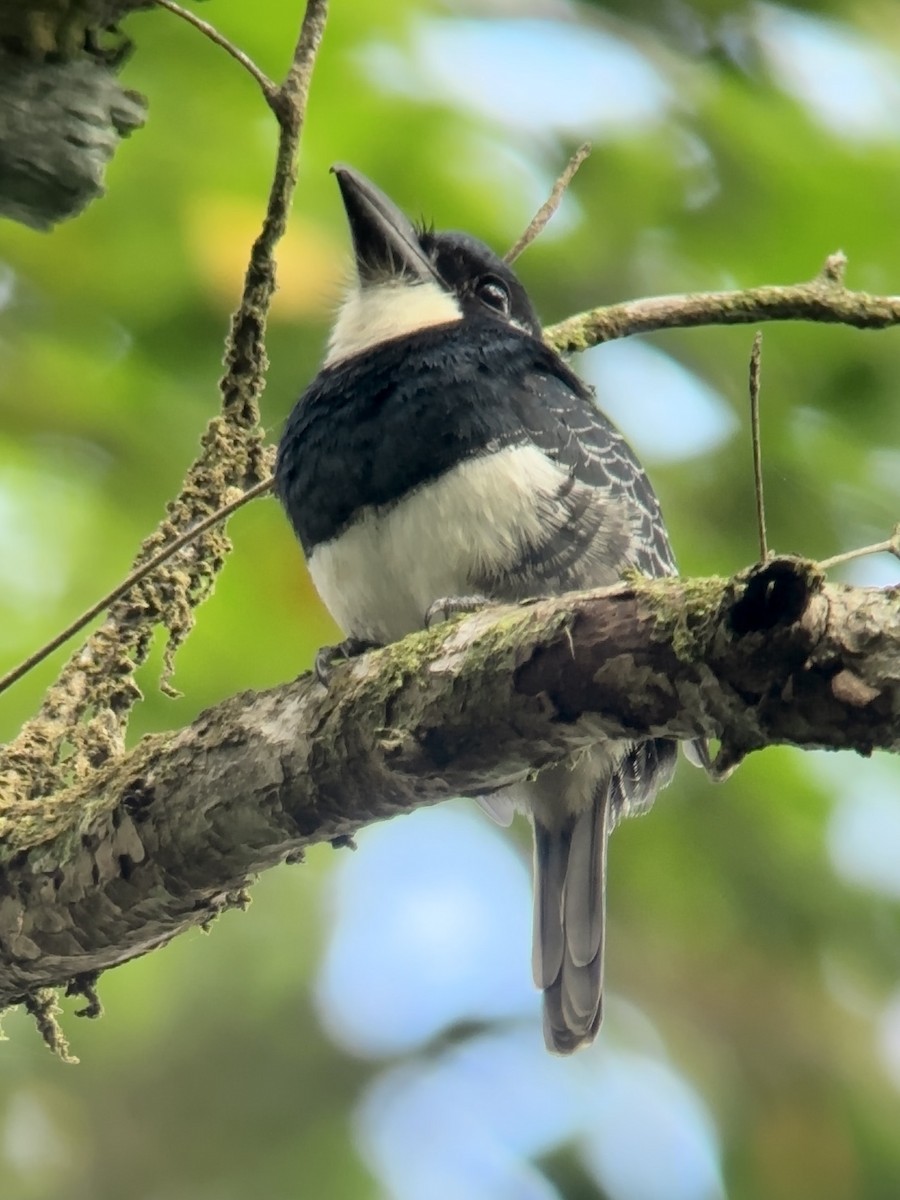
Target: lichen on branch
{"type": "Point", "coordinates": [160, 839]}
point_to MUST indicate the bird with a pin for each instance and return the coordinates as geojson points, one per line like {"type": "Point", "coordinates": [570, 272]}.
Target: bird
{"type": "Point", "coordinates": [445, 456]}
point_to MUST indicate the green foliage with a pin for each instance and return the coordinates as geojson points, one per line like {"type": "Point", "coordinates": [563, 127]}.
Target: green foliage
{"type": "Point", "coordinates": [766, 972]}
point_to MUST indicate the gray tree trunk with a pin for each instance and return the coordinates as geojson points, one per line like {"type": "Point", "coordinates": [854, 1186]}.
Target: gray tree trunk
{"type": "Point", "coordinates": [63, 113]}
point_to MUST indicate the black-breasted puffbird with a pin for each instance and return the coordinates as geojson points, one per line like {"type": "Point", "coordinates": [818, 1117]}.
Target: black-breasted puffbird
{"type": "Point", "coordinates": [444, 450]}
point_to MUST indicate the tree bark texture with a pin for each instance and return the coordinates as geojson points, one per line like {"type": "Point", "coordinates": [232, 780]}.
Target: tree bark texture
{"type": "Point", "coordinates": [62, 110]}
{"type": "Point", "coordinates": [159, 840]}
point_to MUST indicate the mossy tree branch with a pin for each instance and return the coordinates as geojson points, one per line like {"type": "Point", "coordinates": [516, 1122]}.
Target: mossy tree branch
{"type": "Point", "coordinates": [824, 300]}
{"type": "Point", "coordinates": [157, 841]}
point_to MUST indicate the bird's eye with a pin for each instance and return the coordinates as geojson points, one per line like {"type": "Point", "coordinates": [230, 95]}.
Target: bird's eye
{"type": "Point", "coordinates": [494, 293]}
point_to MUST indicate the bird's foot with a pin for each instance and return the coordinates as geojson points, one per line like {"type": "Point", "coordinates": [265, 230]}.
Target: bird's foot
{"type": "Point", "coordinates": [329, 655]}
{"type": "Point", "coordinates": [717, 768]}
{"type": "Point", "coordinates": [453, 606]}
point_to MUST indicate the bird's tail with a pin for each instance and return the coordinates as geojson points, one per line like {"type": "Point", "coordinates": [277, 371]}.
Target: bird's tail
{"type": "Point", "coordinates": [570, 889]}
{"type": "Point", "coordinates": [569, 923]}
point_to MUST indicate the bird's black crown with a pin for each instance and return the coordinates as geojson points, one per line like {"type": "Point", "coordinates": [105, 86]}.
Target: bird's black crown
{"type": "Point", "coordinates": [479, 278]}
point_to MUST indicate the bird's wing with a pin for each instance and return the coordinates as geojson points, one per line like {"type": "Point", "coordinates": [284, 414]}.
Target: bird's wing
{"type": "Point", "coordinates": [599, 515]}
{"type": "Point", "coordinates": [561, 417]}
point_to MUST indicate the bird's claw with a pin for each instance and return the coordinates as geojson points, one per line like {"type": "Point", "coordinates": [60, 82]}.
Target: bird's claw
{"type": "Point", "coordinates": [453, 606]}
{"type": "Point", "coordinates": [717, 768]}
{"type": "Point", "coordinates": [329, 655]}
{"type": "Point", "coordinates": [535, 599]}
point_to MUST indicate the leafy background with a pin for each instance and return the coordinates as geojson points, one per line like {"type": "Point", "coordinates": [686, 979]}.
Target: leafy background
{"type": "Point", "coordinates": [368, 1027]}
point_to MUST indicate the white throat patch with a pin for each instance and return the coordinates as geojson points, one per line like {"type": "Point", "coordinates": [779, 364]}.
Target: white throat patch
{"type": "Point", "coordinates": [384, 311]}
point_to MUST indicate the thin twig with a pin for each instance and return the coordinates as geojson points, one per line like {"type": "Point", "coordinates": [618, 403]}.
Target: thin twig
{"type": "Point", "coordinates": [295, 88]}
{"type": "Point", "coordinates": [890, 545]}
{"type": "Point", "coordinates": [755, 363]}
{"type": "Point", "coordinates": [245, 356]}
{"type": "Point", "coordinates": [819, 300]}
{"type": "Point", "coordinates": [550, 205]}
{"type": "Point", "coordinates": [266, 84]}
{"type": "Point", "coordinates": [13, 676]}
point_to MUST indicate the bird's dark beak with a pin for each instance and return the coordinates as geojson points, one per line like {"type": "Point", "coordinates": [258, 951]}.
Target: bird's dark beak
{"type": "Point", "coordinates": [384, 239]}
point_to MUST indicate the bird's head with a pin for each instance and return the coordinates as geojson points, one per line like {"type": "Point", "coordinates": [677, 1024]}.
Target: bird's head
{"type": "Point", "coordinates": [408, 279]}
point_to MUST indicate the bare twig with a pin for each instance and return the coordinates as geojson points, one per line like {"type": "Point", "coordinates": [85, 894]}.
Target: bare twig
{"type": "Point", "coordinates": [890, 545]}
{"type": "Point", "coordinates": [209, 31]}
{"type": "Point", "coordinates": [147, 568]}
{"type": "Point", "coordinates": [550, 205]}
{"type": "Point", "coordinates": [295, 89]}
{"type": "Point", "coordinates": [245, 356]}
{"type": "Point", "coordinates": [834, 268]}
{"type": "Point", "coordinates": [822, 299]}
{"type": "Point", "coordinates": [755, 361]}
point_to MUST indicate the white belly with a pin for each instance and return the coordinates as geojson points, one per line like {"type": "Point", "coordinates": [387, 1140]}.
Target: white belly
{"type": "Point", "coordinates": [379, 577]}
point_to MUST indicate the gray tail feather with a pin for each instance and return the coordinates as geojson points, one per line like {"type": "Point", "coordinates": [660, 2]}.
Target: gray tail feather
{"type": "Point", "coordinates": [570, 895]}
{"type": "Point", "coordinates": [570, 916]}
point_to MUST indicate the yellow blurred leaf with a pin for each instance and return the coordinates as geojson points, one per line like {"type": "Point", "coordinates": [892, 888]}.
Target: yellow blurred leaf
{"type": "Point", "coordinates": [219, 231]}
